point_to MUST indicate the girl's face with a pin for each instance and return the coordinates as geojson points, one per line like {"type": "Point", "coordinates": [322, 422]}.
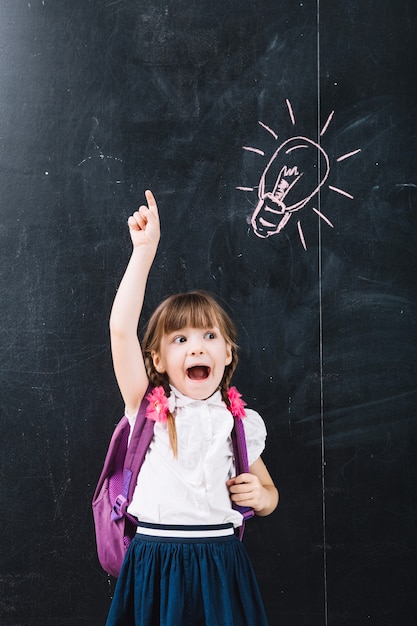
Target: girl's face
{"type": "Point", "coordinates": [194, 360]}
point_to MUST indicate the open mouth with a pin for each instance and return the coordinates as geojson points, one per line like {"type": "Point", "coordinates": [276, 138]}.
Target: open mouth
{"type": "Point", "coordinates": [198, 372]}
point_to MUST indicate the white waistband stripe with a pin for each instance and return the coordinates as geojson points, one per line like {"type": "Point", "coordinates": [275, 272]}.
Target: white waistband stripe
{"type": "Point", "coordinates": [195, 533]}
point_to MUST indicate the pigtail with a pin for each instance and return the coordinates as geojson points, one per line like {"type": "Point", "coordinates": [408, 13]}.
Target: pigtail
{"type": "Point", "coordinates": [172, 432]}
{"type": "Point", "coordinates": [160, 380]}
{"type": "Point", "coordinates": [227, 376]}
{"type": "Point", "coordinates": [225, 397]}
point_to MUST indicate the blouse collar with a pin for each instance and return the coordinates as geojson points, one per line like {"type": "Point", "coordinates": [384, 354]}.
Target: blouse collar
{"type": "Point", "coordinates": [179, 400]}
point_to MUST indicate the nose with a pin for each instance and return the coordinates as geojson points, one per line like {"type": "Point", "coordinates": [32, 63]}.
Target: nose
{"type": "Point", "coordinates": [195, 347]}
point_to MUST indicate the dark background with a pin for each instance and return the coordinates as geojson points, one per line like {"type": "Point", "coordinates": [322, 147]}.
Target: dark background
{"type": "Point", "coordinates": [100, 100]}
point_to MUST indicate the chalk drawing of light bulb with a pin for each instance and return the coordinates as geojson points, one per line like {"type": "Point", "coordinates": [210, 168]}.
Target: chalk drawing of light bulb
{"type": "Point", "coordinates": [292, 177]}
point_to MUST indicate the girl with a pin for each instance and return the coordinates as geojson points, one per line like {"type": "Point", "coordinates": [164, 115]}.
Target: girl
{"type": "Point", "coordinates": [185, 566]}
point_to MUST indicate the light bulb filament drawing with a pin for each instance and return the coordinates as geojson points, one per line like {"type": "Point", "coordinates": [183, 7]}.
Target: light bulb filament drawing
{"type": "Point", "coordinates": [292, 177]}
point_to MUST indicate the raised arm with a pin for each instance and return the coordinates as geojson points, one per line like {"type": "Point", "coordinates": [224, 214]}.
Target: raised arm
{"type": "Point", "coordinates": [127, 356]}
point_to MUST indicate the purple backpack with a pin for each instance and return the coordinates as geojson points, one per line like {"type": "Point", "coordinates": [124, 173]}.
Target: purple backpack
{"type": "Point", "coordinates": [114, 527]}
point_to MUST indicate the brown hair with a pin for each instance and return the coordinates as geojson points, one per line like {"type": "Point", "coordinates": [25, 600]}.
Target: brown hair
{"type": "Point", "coordinates": [195, 309]}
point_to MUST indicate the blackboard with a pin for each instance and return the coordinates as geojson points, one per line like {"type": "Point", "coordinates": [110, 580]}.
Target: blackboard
{"type": "Point", "coordinates": [101, 100]}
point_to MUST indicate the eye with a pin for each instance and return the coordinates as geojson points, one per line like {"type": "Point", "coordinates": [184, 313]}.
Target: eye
{"type": "Point", "coordinates": [210, 335]}
{"type": "Point", "coordinates": [179, 339]}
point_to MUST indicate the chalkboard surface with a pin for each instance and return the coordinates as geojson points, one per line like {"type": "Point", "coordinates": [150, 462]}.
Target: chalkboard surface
{"type": "Point", "coordinates": [279, 138]}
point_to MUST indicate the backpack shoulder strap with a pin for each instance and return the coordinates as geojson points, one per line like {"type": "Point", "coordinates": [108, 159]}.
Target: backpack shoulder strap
{"type": "Point", "coordinates": [140, 440]}
{"type": "Point", "coordinates": [240, 453]}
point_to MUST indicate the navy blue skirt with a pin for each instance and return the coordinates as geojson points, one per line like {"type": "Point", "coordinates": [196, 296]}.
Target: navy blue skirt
{"type": "Point", "coordinates": [186, 582]}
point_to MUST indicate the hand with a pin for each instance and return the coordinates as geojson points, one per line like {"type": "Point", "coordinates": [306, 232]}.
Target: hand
{"type": "Point", "coordinates": [144, 223]}
{"type": "Point", "coordinates": [247, 490]}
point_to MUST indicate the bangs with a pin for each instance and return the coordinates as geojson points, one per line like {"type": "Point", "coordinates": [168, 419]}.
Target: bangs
{"type": "Point", "coordinates": [193, 310]}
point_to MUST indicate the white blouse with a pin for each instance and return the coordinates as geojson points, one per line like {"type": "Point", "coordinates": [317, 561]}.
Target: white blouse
{"type": "Point", "coordinates": [191, 489]}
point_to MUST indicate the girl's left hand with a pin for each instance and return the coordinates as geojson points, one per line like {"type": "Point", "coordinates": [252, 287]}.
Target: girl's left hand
{"type": "Point", "coordinates": [247, 490]}
{"type": "Point", "coordinates": [255, 489]}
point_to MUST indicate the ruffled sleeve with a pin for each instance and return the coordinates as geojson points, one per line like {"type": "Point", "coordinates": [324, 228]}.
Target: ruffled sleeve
{"type": "Point", "coordinates": [132, 421]}
{"type": "Point", "coordinates": [255, 432]}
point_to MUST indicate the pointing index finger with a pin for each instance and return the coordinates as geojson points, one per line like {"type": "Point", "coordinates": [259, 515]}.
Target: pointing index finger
{"type": "Point", "coordinates": [150, 198]}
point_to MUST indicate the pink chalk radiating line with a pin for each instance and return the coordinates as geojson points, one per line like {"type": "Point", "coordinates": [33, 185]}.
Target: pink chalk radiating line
{"type": "Point", "coordinates": [254, 150]}
{"type": "Point", "coordinates": [246, 188]}
{"type": "Point", "coordinates": [343, 193]}
{"type": "Point", "coordinates": [300, 232]}
{"type": "Point", "coordinates": [323, 217]}
{"type": "Point", "coordinates": [346, 156]}
{"type": "Point", "coordinates": [329, 119]}
{"type": "Point", "coordinates": [275, 136]}
{"type": "Point", "coordinates": [290, 111]}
